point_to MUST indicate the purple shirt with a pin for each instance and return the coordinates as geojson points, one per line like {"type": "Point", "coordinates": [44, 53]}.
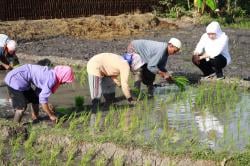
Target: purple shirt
{"type": "Point", "coordinates": [23, 77]}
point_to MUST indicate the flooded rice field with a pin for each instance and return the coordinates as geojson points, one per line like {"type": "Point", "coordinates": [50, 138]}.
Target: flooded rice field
{"type": "Point", "coordinates": [215, 116]}
{"type": "Point", "coordinates": [204, 119]}
{"type": "Point", "coordinates": [219, 128]}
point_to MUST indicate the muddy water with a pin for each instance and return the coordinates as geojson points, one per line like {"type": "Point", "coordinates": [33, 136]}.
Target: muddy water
{"type": "Point", "coordinates": [228, 129]}
{"type": "Point", "coordinates": [64, 97]}
{"type": "Point", "coordinates": [220, 130]}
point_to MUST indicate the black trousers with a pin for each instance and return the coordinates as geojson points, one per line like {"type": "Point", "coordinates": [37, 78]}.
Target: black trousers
{"type": "Point", "coordinates": [20, 99]}
{"type": "Point", "coordinates": [214, 65]}
{"type": "Point", "coordinates": [147, 76]}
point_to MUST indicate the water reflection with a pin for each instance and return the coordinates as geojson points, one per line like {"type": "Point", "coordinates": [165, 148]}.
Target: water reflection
{"type": "Point", "coordinates": [218, 129]}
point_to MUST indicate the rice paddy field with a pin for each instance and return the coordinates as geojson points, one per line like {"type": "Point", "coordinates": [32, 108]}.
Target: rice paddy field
{"type": "Point", "coordinates": [207, 121]}
{"type": "Point", "coordinates": [202, 123]}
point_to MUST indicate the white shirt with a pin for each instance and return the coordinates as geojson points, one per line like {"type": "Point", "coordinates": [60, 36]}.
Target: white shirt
{"type": "Point", "coordinates": [214, 47]}
{"type": "Point", "coordinates": [3, 39]}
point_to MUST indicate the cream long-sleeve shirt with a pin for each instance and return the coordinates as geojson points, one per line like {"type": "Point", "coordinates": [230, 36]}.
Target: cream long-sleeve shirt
{"type": "Point", "coordinates": [111, 65]}
{"type": "Point", "coordinates": [214, 47]}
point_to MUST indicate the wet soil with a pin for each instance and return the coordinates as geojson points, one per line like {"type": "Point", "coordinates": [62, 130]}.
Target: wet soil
{"type": "Point", "coordinates": [82, 38]}
{"type": "Point", "coordinates": [83, 49]}
{"type": "Point", "coordinates": [76, 41]}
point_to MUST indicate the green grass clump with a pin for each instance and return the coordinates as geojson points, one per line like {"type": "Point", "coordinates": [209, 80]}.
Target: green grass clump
{"type": "Point", "coordinates": [64, 111]}
{"type": "Point", "coordinates": [79, 101]}
{"type": "Point", "coordinates": [181, 82]}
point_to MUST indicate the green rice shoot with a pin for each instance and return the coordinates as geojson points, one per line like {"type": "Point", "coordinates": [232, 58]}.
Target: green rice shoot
{"type": "Point", "coordinates": [181, 82]}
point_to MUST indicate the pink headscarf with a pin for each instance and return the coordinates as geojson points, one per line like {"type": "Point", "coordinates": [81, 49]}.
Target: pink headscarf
{"type": "Point", "coordinates": [64, 74]}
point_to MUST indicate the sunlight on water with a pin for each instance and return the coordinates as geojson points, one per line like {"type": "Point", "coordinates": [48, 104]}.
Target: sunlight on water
{"type": "Point", "coordinates": [222, 129]}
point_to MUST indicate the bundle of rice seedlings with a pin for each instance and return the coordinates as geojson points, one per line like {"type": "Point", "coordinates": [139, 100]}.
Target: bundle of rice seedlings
{"type": "Point", "coordinates": [181, 82]}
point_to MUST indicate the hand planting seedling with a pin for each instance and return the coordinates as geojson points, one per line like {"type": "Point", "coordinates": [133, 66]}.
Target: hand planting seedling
{"type": "Point", "coordinates": [138, 94]}
{"type": "Point", "coordinates": [180, 81]}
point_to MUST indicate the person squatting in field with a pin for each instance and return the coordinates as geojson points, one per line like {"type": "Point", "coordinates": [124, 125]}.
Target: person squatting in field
{"type": "Point", "coordinates": [34, 84]}
{"type": "Point", "coordinates": [8, 58]}
{"type": "Point", "coordinates": [211, 54]}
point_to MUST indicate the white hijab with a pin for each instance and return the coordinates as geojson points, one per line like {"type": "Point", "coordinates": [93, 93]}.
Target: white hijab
{"type": "Point", "coordinates": [214, 47]}
{"type": "Point", "coordinates": [214, 27]}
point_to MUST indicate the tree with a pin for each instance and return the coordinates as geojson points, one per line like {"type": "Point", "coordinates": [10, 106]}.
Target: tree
{"type": "Point", "coordinates": [201, 5]}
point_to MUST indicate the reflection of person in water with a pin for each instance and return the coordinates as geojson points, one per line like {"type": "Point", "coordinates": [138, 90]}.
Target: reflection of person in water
{"type": "Point", "coordinates": [208, 123]}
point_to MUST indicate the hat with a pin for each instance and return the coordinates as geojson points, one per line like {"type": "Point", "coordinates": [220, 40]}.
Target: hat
{"type": "Point", "coordinates": [11, 45]}
{"type": "Point", "coordinates": [175, 42]}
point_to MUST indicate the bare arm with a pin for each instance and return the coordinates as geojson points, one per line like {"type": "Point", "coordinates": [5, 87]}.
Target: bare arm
{"type": "Point", "coordinates": [204, 56]}
{"type": "Point", "coordinates": [165, 75]}
{"type": "Point", "coordinates": [7, 67]}
{"type": "Point", "coordinates": [116, 81]}
{"type": "Point", "coordinates": [47, 109]}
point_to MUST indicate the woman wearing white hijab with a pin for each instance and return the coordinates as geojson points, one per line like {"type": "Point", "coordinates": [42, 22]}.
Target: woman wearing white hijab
{"type": "Point", "coordinates": [211, 54]}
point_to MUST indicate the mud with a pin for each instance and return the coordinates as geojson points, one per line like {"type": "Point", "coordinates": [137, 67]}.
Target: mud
{"type": "Point", "coordinates": [82, 38]}
{"type": "Point", "coordinates": [83, 49]}
{"type": "Point", "coordinates": [66, 42]}
{"type": "Point", "coordinates": [109, 151]}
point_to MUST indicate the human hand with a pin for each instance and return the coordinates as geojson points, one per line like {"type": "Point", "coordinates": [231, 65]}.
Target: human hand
{"type": "Point", "coordinates": [51, 107]}
{"type": "Point", "coordinates": [131, 101]}
{"type": "Point", "coordinates": [196, 53]}
{"type": "Point", "coordinates": [168, 77]}
{"type": "Point", "coordinates": [53, 118]}
{"type": "Point", "coordinates": [196, 59]}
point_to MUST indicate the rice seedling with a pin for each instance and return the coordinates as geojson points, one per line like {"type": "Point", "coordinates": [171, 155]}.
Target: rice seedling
{"type": "Point", "coordinates": [100, 161]}
{"type": "Point", "coordinates": [73, 124]}
{"type": "Point", "coordinates": [138, 94]}
{"type": "Point", "coordinates": [79, 101]}
{"type": "Point", "coordinates": [108, 121]}
{"type": "Point", "coordinates": [118, 161]}
{"type": "Point", "coordinates": [216, 96]}
{"type": "Point", "coordinates": [55, 151]}
{"type": "Point", "coordinates": [1, 148]}
{"type": "Point", "coordinates": [98, 121]}
{"type": "Point", "coordinates": [28, 145]}
{"type": "Point", "coordinates": [16, 145]}
{"type": "Point", "coordinates": [86, 160]}
{"type": "Point", "coordinates": [70, 154]}
{"type": "Point", "coordinates": [84, 119]}
{"type": "Point", "coordinates": [60, 121]}
{"type": "Point", "coordinates": [124, 120]}
{"type": "Point", "coordinates": [81, 74]}
{"type": "Point", "coordinates": [63, 111]}
{"type": "Point", "coordinates": [181, 82]}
